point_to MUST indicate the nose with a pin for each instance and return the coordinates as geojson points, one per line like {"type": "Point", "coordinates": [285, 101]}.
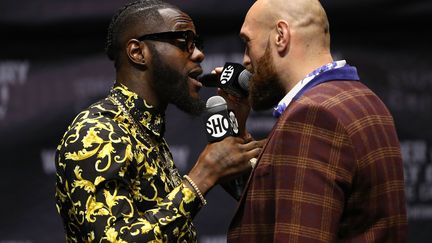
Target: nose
{"type": "Point", "coordinates": [247, 61]}
{"type": "Point", "coordinates": [197, 55]}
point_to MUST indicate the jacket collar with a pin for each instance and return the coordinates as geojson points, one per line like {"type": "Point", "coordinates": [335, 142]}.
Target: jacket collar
{"type": "Point", "coordinates": [143, 113]}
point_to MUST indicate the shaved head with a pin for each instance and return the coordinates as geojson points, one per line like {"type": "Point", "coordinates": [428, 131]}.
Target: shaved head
{"type": "Point", "coordinates": [285, 40]}
{"type": "Point", "coordinates": [298, 12]}
{"type": "Point", "coordinates": [305, 16]}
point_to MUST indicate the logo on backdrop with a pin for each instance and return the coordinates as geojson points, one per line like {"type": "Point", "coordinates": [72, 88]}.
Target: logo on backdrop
{"type": "Point", "coordinates": [11, 73]}
{"type": "Point", "coordinates": [416, 156]}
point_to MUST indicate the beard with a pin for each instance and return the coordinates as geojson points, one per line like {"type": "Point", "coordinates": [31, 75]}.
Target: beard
{"type": "Point", "coordinates": [265, 88]}
{"type": "Point", "coordinates": [172, 87]}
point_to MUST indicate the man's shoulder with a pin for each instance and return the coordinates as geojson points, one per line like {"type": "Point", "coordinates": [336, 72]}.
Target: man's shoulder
{"type": "Point", "coordinates": [337, 91]}
{"type": "Point", "coordinates": [100, 115]}
{"type": "Point", "coordinates": [344, 97]}
{"type": "Point", "coordinates": [344, 102]}
{"type": "Point", "coordinates": [101, 110]}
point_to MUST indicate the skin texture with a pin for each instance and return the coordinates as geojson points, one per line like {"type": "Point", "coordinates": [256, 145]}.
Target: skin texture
{"type": "Point", "coordinates": [316, 173]}
{"type": "Point", "coordinates": [139, 76]}
{"type": "Point", "coordinates": [219, 161]}
{"type": "Point", "coordinates": [285, 40]}
{"type": "Point", "coordinates": [298, 38]}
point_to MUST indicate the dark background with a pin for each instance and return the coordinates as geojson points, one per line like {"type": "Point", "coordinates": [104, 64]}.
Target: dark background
{"type": "Point", "coordinates": [52, 65]}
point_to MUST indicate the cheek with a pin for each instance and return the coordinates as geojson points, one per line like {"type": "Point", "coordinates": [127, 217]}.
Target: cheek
{"type": "Point", "coordinates": [179, 67]}
{"type": "Point", "coordinates": [254, 57]}
{"type": "Point", "coordinates": [173, 57]}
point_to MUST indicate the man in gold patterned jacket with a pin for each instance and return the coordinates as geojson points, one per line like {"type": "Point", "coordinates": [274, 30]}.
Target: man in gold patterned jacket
{"type": "Point", "coordinates": [116, 179]}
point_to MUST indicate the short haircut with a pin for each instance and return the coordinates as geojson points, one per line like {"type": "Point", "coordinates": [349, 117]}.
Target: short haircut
{"type": "Point", "coordinates": [144, 11]}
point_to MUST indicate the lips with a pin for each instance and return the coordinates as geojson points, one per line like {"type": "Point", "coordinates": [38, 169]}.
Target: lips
{"type": "Point", "coordinates": [193, 77]}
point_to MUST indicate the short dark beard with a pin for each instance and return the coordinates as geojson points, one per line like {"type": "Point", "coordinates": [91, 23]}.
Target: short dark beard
{"type": "Point", "coordinates": [265, 88]}
{"type": "Point", "coordinates": [172, 87]}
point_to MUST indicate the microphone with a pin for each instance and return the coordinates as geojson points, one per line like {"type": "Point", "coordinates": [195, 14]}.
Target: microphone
{"type": "Point", "coordinates": [234, 79]}
{"type": "Point", "coordinates": [221, 123]}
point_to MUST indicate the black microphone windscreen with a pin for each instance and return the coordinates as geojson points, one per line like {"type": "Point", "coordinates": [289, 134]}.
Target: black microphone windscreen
{"type": "Point", "coordinates": [210, 80]}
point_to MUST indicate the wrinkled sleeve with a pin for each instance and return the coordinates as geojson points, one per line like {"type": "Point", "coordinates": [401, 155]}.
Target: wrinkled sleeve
{"type": "Point", "coordinates": [95, 186]}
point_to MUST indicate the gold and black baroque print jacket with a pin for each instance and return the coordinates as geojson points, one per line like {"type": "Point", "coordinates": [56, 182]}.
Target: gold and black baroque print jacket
{"type": "Point", "coordinates": [115, 183]}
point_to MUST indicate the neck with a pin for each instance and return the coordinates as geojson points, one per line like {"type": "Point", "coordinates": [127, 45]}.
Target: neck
{"type": "Point", "coordinates": [141, 84]}
{"type": "Point", "coordinates": [296, 68]}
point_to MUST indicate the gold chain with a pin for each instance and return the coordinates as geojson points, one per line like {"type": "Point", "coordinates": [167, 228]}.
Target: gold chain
{"type": "Point", "coordinates": [173, 172]}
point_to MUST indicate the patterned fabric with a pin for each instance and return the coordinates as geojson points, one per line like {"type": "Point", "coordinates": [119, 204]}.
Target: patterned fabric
{"type": "Point", "coordinates": [331, 171]}
{"type": "Point", "coordinates": [115, 184]}
{"type": "Point", "coordinates": [301, 85]}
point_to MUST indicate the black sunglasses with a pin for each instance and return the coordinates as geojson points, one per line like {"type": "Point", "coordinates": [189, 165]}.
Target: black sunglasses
{"type": "Point", "coordinates": [186, 40]}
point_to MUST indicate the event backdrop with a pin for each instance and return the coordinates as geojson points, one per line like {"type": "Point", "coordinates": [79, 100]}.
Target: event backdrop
{"type": "Point", "coordinates": [52, 65]}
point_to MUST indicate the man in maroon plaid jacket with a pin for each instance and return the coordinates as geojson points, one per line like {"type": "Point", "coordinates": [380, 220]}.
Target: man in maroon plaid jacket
{"type": "Point", "coordinates": [331, 170]}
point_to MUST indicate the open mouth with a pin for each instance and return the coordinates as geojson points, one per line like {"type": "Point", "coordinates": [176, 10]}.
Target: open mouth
{"type": "Point", "coordinates": [193, 77]}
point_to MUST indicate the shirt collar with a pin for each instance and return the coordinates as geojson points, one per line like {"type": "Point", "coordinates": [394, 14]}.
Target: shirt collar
{"type": "Point", "coordinates": [143, 113]}
{"type": "Point", "coordinates": [283, 104]}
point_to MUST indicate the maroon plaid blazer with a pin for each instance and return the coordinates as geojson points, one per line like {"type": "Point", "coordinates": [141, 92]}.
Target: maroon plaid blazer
{"type": "Point", "coordinates": [331, 171]}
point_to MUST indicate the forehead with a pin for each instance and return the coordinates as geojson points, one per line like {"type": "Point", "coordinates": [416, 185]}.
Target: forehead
{"type": "Point", "coordinates": [176, 19]}
{"type": "Point", "coordinates": [250, 24]}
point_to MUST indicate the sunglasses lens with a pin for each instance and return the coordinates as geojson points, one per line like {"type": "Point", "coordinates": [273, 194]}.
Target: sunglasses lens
{"type": "Point", "coordinates": [199, 43]}
{"type": "Point", "coordinates": [193, 41]}
{"type": "Point", "coordinates": [185, 40]}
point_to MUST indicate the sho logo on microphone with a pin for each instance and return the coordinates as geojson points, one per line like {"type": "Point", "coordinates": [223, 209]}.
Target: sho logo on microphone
{"type": "Point", "coordinates": [234, 123]}
{"type": "Point", "coordinates": [227, 74]}
{"type": "Point", "coordinates": [217, 125]}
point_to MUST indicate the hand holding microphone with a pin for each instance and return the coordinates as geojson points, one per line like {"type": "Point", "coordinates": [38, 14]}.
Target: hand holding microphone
{"type": "Point", "coordinates": [227, 156]}
{"type": "Point", "coordinates": [221, 123]}
{"type": "Point", "coordinates": [223, 162]}
{"type": "Point", "coordinates": [232, 81]}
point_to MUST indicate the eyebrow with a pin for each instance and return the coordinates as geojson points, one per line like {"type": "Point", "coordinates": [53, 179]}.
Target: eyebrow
{"type": "Point", "coordinates": [244, 37]}
{"type": "Point", "coordinates": [179, 26]}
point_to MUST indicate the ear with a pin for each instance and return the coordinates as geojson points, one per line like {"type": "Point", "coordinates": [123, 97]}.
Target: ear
{"type": "Point", "coordinates": [283, 35]}
{"type": "Point", "coordinates": [136, 52]}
